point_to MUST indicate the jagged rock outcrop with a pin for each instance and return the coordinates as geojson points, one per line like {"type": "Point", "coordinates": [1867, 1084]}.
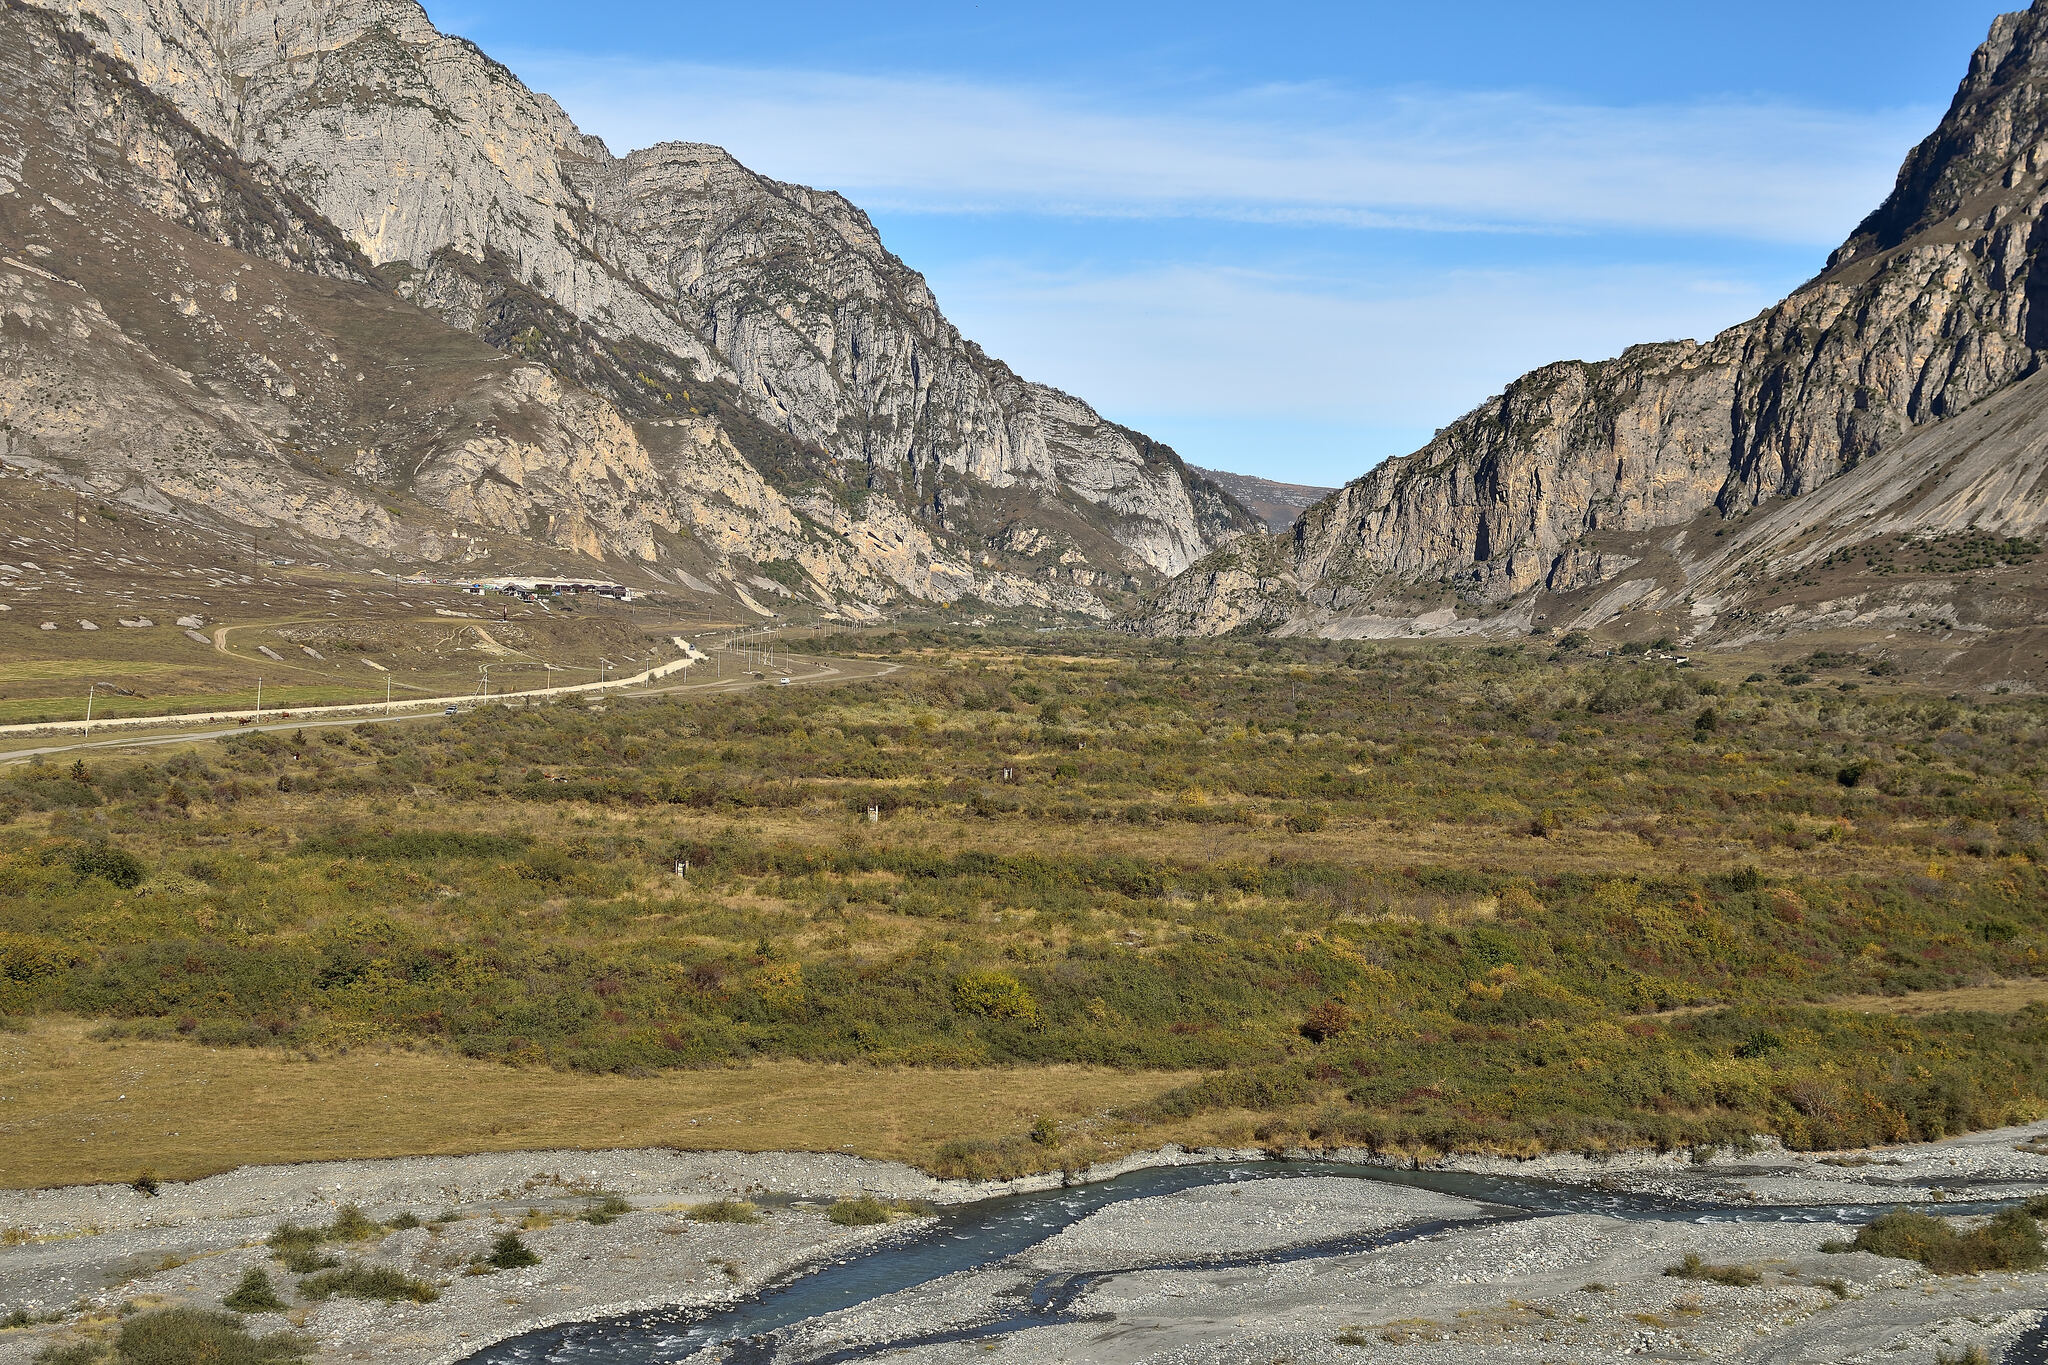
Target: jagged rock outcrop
{"type": "Point", "coordinates": [1938, 301]}
{"type": "Point", "coordinates": [673, 282]}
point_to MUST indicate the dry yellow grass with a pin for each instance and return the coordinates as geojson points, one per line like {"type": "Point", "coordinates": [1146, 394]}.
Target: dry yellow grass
{"type": "Point", "coordinates": [2001, 997]}
{"type": "Point", "coordinates": [79, 1111]}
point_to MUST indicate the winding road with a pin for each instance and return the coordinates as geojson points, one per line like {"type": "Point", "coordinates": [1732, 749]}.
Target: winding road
{"type": "Point", "coordinates": [808, 671]}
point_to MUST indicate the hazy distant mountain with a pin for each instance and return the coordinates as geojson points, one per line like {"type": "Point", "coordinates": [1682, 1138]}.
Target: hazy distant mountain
{"type": "Point", "coordinates": [1276, 504]}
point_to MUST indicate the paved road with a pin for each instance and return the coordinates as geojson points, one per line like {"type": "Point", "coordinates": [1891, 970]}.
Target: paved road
{"type": "Point", "coordinates": [808, 672]}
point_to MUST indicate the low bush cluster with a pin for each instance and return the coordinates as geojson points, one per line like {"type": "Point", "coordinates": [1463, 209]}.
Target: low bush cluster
{"type": "Point", "coordinates": [2009, 1241]}
{"type": "Point", "coordinates": [1305, 869]}
{"type": "Point", "coordinates": [360, 1281]}
{"type": "Point", "coordinates": [725, 1211]}
{"type": "Point", "coordinates": [182, 1336]}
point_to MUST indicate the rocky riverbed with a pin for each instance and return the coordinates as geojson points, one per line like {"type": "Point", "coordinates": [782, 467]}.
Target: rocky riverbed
{"type": "Point", "coordinates": [1304, 1265]}
{"type": "Point", "coordinates": [80, 1254]}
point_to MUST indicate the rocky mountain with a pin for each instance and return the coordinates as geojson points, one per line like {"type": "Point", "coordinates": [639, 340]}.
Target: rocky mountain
{"type": "Point", "coordinates": [1276, 504]}
{"type": "Point", "coordinates": [403, 307]}
{"type": "Point", "coordinates": [1528, 510]}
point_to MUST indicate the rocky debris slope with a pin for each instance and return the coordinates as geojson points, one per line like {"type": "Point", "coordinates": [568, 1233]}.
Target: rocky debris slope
{"type": "Point", "coordinates": [1937, 302]}
{"type": "Point", "coordinates": [1276, 504]}
{"type": "Point", "coordinates": [674, 283]}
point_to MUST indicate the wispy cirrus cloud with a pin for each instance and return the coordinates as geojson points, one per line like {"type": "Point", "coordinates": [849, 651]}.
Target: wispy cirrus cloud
{"type": "Point", "coordinates": [1295, 288]}
{"type": "Point", "coordinates": [1298, 377]}
{"type": "Point", "coordinates": [1430, 160]}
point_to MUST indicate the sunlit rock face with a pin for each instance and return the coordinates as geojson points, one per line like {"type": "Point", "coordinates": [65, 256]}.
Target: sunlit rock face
{"type": "Point", "coordinates": [1938, 301]}
{"type": "Point", "coordinates": [677, 289]}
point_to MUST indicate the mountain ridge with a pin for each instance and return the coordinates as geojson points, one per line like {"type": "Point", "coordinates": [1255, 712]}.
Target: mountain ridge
{"type": "Point", "coordinates": [1938, 301]}
{"type": "Point", "coordinates": [683, 292]}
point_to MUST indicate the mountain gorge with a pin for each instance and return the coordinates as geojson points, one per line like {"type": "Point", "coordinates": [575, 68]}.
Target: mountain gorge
{"type": "Point", "coordinates": [314, 271]}
{"type": "Point", "coordinates": [1677, 477]}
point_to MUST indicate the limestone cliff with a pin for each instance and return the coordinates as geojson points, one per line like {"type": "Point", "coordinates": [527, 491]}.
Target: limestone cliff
{"type": "Point", "coordinates": [673, 283]}
{"type": "Point", "coordinates": [183, 334]}
{"type": "Point", "coordinates": [1938, 301]}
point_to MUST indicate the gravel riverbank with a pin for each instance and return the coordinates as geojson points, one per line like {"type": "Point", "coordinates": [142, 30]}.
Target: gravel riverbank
{"type": "Point", "coordinates": [1143, 1275]}
{"type": "Point", "coordinates": [81, 1253]}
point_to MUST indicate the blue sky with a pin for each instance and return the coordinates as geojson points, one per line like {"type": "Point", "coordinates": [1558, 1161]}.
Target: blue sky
{"type": "Point", "coordinates": [1292, 239]}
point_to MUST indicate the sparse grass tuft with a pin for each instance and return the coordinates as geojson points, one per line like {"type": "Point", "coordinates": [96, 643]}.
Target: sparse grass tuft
{"type": "Point", "coordinates": [725, 1211]}
{"type": "Point", "coordinates": [605, 1208]}
{"type": "Point", "coordinates": [862, 1211]}
{"type": "Point", "coordinates": [1694, 1267]}
{"type": "Point", "coordinates": [361, 1281]}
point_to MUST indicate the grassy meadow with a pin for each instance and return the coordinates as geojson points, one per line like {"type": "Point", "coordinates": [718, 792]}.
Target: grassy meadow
{"type": "Point", "coordinates": [1420, 898]}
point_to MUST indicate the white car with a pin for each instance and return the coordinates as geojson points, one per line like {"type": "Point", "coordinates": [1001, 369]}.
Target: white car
{"type": "Point", "coordinates": [782, 682]}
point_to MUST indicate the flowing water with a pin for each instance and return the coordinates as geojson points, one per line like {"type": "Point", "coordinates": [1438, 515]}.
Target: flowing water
{"type": "Point", "coordinates": [971, 1236]}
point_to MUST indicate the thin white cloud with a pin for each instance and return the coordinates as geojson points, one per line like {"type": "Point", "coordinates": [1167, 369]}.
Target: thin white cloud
{"type": "Point", "coordinates": [1213, 353]}
{"type": "Point", "coordinates": [1445, 160]}
{"type": "Point", "coordinates": [1220, 342]}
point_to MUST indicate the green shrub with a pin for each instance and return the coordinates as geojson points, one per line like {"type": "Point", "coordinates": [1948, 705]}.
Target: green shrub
{"type": "Point", "coordinates": [2010, 1241]}
{"type": "Point", "coordinates": [108, 863]}
{"type": "Point", "coordinates": [725, 1211]}
{"type": "Point", "coordinates": [862, 1211]}
{"type": "Point", "coordinates": [994, 995]}
{"type": "Point", "coordinates": [84, 1353]}
{"type": "Point", "coordinates": [1308, 820]}
{"type": "Point", "coordinates": [509, 1253]}
{"type": "Point", "coordinates": [255, 1294]}
{"type": "Point", "coordinates": [417, 845]}
{"type": "Point", "coordinates": [305, 1260]}
{"type": "Point", "coordinates": [361, 1281]}
{"type": "Point", "coordinates": [182, 1336]}
{"type": "Point", "coordinates": [351, 1224]}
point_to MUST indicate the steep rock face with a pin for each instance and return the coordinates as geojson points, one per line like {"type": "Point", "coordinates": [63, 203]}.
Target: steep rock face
{"type": "Point", "coordinates": [1939, 300]}
{"type": "Point", "coordinates": [181, 335]}
{"type": "Point", "coordinates": [737, 296]}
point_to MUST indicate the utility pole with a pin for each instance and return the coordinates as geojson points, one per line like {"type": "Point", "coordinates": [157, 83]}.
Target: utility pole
{"type": "Point", "coordinates": [387, 694]}
{"type": "Point", "coordinates": [90, 689]}
{"type": "Point", "coordinates": [259, 701]}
